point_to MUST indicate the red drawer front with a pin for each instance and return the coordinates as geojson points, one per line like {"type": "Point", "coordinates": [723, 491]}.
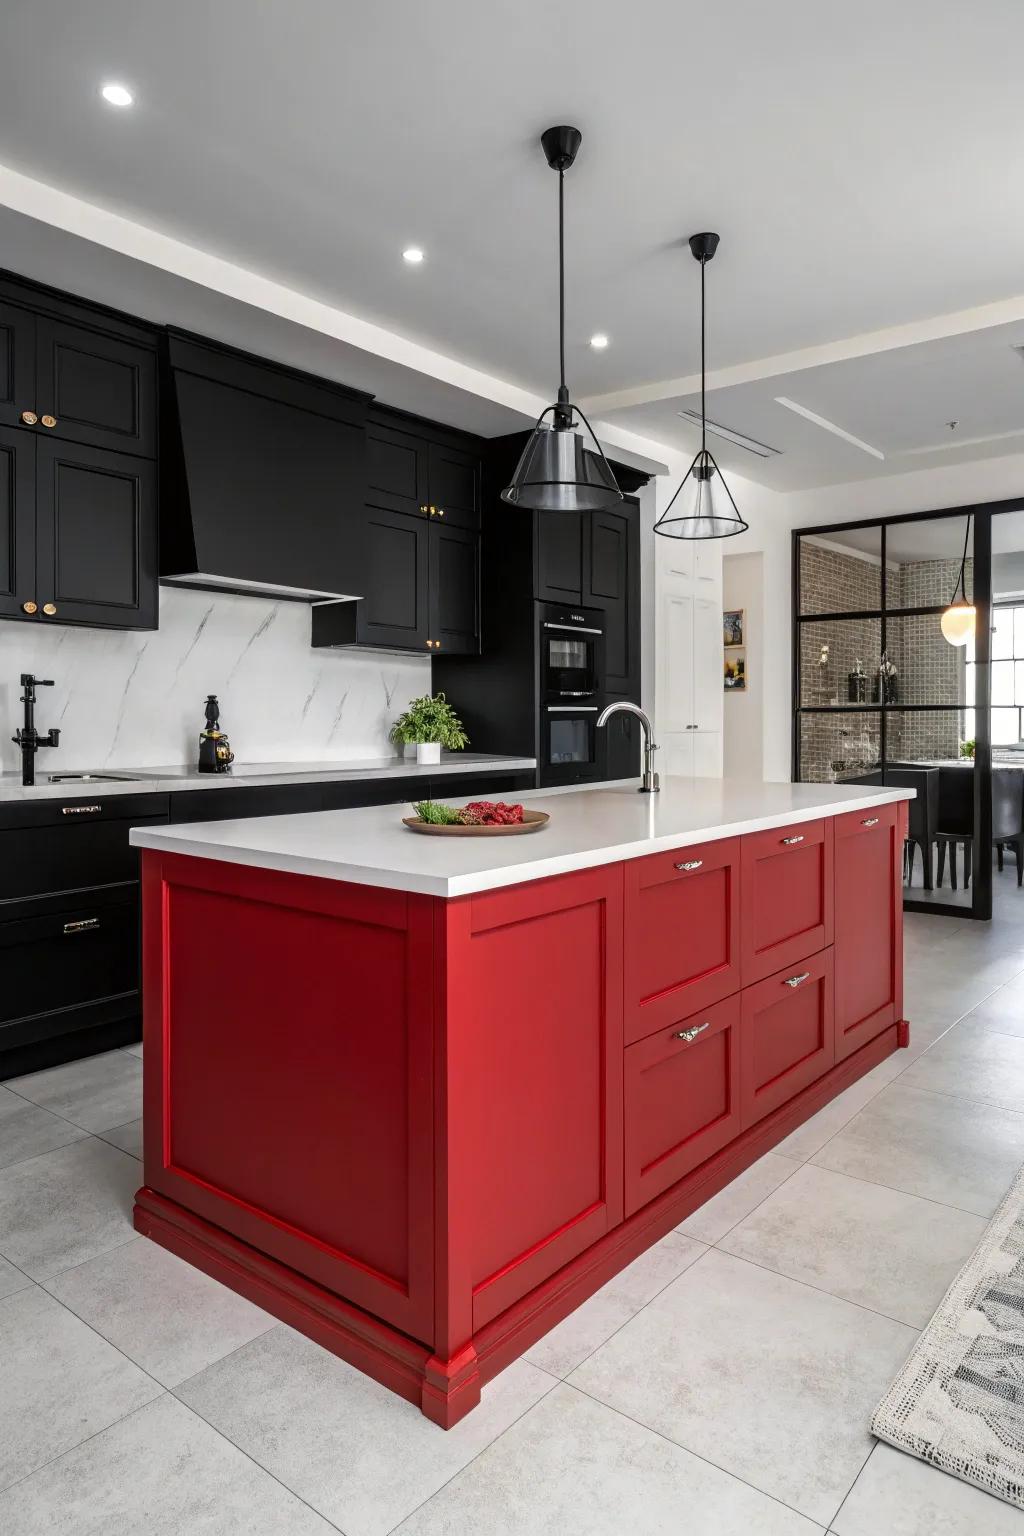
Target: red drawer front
{"type": "Point", "coordinates": [681, 1099]}
{"type": "Point", "coordinates": [869, 925]}
{"type": "Point", "coordinates": [788, 1037]}
{"type": "Point", "coordinates": [786, 897]}
{"type": "Point", "coordinates": [682, 934]}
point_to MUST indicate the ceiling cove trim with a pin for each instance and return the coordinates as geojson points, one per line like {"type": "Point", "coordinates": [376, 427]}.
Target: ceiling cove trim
{"type": "Point", "coordinates": [63, 210]}
{"type": "Point", "coordinates": [961, 322]}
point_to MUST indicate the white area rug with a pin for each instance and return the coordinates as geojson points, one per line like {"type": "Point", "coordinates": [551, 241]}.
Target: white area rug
{"type": "Point", "coordinates": [959, 1400]}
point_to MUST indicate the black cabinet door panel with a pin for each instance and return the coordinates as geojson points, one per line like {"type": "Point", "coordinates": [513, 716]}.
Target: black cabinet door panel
{"type": "Point", "coordinates": [227, 802]}
{"type": "Point", "coordinates": [397, 470]}
{"type": "Point", "coordinates": [17, 362]}
{"type": "Point", "coordinates": [39, 862]}
{"type": "Point", "coordinates": [17, 519]}
{"type": "Point", "coordinates": [622, 746]}
{"type": "Point", "coordinates": [613, 585]}
{"type": "Point", "coordinates": [455, 485]}
{"type": "Point", "coordinates": [454, 589]}
{"type": "Point", "coordinates": [96, 535]}
{"type": "Point", "coordinates": [559, 556]}
{"type": "Point", "coordinates": [394, 611]}
{"type": "Point", "coordinates": [101, 389]}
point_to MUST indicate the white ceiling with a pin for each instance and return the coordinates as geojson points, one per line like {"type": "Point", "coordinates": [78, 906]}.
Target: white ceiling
{"type": "Point", "coordinates": [862, 163]}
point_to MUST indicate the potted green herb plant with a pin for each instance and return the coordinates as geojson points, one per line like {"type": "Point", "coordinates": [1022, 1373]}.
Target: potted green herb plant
{"type": "Point", "coordinates": [429, 724]}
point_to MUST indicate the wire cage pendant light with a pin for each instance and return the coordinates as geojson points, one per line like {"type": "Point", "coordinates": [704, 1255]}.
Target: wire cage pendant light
{"type": "Point", "coordinates": [559, 470]}
{"type": "Point", "coordinates": [703, 505]}
{"type": "Point", "coordinates": [957, 623]}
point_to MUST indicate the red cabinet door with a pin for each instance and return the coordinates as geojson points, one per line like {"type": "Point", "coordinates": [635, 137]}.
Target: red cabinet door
{"type": "Point", "coordinates": [535, 1040]}
{"type": "Point", "coordinates": [681, 1099]}
{"type": "Point", "coordinates": [869, 925]}
{"type": "Point", "coordinates": [787, 1035]}
{"type": "Point", "coordinates": [682, 934]}
{"type": "Point", "coordinates": [786, 901]}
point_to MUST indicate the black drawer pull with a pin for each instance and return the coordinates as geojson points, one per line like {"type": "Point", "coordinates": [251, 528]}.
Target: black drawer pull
{"type": "Point", "coordinates": [82, 925]}
{"type": "Point", "coordinates": [80, 810]}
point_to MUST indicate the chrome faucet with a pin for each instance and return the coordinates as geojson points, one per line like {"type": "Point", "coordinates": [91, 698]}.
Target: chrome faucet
{"type": "Point", "coordinates": [649, 779]}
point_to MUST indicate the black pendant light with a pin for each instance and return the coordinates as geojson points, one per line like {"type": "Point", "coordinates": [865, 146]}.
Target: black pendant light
{"type": "Point", "coordinates": [559, 471]}
{"type": "Point", "coordinates": [702, 507]}
{"type": "Point", "coordinates": [957, 623]}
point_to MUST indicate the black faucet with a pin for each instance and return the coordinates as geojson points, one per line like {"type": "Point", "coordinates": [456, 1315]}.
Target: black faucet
{"type": "Point", "coordinates": [28, 738]}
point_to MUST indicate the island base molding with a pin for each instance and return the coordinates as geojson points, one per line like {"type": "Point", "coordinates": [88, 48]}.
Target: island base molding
{"type": "Point", "coordinates": [446, 1390]}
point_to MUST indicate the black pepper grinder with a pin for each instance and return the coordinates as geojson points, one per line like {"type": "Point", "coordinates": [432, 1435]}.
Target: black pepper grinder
{"type": "Point", "coordinates": [215, 754]}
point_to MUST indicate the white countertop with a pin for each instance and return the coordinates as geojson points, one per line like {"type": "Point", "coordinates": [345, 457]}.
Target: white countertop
{"type": "Point", "coordinates": [141, 781]}
{"type": "Point", "coordinates": [588, 827]}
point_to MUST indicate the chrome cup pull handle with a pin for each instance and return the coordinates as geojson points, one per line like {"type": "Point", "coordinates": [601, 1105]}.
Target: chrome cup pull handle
{"type": "Point", "coordinates": [83, 925]}
{"type": "Point", "coordinates": [797, 981]}
{"type": "Point", "coordinates": [690, 864]}
{"type": "Point", "coordinates": [787, 842]}
{"type": "Point", "coordinates": [693, 1031]}
{"type": "Point", "coordinates": [870, 821]}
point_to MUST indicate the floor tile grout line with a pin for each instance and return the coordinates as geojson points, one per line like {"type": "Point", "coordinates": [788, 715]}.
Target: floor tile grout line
{"type": "Point", "coordinates": [69, 1450]}
{"type": "Point", "coordinates": [820, 1290]}
{"type": "Point", "coordinates": [85, 1136]}
{"type": "Point", "coordinates": [556, 1382]}
{"type": "Point", "coordinates": [691, 1452]}
{"type": "Point", "coordinates": [57, 1114]}
{"type": "Point", "coordinates": [706, 1247]}
{"type": "Point", "coordinates": [796, 1168]}
{"type": "Point", "coordinates": [59, 1272]}
{"type": "Point", "coordinates": [846, 1495]}
{"type": "Point", "coordinates": [911, 1194]}
{"type": "Point", "coordinates": [961, 1098]}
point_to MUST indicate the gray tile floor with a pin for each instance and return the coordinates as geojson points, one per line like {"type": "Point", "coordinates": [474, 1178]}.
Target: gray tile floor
{"type": "Point", "coordinates": [722, 1384]}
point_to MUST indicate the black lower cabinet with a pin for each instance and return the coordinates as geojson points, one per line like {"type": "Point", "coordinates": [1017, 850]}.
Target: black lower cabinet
{"type": "Point", "coordinates": [622, 746]}
{"type": "Point", "coordinates": [233, 802]}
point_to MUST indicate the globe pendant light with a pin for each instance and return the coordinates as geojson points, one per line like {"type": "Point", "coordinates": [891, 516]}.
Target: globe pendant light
{"type": "Point", "coordinates": [558, 470]}
{"type": "Point", "coordinates": [957, 623]}
{"type": "Point", "coordinates": [702, 507]}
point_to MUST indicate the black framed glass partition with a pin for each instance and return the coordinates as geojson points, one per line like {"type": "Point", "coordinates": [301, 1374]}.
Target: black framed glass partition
{"type": "Point", "coordinates": [881, 695]}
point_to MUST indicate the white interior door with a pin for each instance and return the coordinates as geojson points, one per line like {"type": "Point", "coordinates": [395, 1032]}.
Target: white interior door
{"type": "Point", "coordinates": [707, 664]}
{"type": "Point", "coordinates": [675, 661]}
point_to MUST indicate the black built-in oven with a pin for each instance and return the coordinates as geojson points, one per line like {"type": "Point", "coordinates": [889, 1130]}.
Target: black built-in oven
{"type": "Point", "coordinates": [570, 645]}
{"type": "Point", "coordinates": [570, 693]}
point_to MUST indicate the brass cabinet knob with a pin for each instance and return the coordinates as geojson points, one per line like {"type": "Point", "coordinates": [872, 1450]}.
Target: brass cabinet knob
{"type": "Point", "coordinates": [29, 418]}
{"type": "Point", "coordinates": [424, 509]}
{"type": "Point", "coordinates": [50, 609]}
{"type": "Point", "coordinates": [440, 511]}
{"type": "Point", "coordinates": [49, 421]}
{"type": "Point", "coordinates": [433, 511]}
{"type": "Point", "coordinates": [30, 607]}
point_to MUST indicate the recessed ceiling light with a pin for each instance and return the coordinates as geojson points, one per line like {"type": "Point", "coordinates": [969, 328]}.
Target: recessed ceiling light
{"type": "Point", "coordinates": [413, 255]}
{"type": "Point", "coordinates": [599, 341]}
{"type": "Point", "coordinates": [117, 95]}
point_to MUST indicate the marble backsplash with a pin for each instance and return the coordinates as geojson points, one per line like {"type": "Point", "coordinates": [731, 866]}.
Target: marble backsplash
{"type": "Point", "coordinates": [136, 699]}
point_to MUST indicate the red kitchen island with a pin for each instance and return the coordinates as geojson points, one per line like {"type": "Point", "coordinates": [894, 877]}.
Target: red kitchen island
{"type": "Point", "coordinates": [420, 1096]}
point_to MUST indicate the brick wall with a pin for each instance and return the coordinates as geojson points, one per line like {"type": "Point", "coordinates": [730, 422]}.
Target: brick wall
{"type": "Point", "coordinates": [929, 670]}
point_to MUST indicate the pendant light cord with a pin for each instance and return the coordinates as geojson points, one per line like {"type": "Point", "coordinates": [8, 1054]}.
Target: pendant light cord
{"type": "Point", "coordinates": [703, 410]}
{"type": "Point", "coordinates": [960, 586]}
{"type": "Point", "coordinates": [561, 282]}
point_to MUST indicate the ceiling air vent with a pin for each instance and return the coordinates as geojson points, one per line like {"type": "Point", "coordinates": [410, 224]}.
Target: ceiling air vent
{"type": "Point", "coordinates": [741, 440]}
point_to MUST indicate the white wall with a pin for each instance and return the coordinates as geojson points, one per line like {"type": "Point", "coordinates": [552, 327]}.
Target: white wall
{"type": "Point", "coordinates": [743, 713]}
{"type": "Point", "coordinates": [136, 699]}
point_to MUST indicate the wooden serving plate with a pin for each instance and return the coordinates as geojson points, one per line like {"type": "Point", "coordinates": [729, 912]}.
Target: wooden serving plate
{"type": "Point", "coordinates": [532, 822]}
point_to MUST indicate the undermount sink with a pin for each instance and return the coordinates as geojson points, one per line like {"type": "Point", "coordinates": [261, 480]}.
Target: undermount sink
{"type": "Point", "coordinates": [90, 778]}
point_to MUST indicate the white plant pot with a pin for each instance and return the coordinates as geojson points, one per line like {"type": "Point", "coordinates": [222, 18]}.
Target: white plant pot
{"type": "Point", "coordinates": [409, 749]}
{"type": "Point", "coordinates": [428, 751]}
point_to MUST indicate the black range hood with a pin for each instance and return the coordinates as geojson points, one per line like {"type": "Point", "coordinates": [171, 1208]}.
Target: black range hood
{"type": "Point", "coordinates": [262, 476]}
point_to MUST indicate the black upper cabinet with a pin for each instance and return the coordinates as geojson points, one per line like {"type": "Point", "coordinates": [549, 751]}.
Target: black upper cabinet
{"type": "Point", "coordinates": [419, 549]}
{"type": "Point", "coordinates": [393, 614]}
{"type": "Point", "coordinates": [397, 470]}
{"type": "Point", "coordinates": [96, 537]}
{"type": "Point", "coordinates": [100, 389]}
{"type": "Point", "coordinates": [17, 521]}
{"type": "Point", "coordinates": [17, 362]}
{"type": "Point", "coordinates": [558, 553]}
{"type": "Point", "coordinates": [454, 486]}
{"type": "Point", "coordinates": [78, 494]}
{"type": "Point", "coordinates": [454, 555]}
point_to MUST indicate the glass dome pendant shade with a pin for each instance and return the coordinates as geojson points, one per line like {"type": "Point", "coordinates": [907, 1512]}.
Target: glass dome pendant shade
{"type": "Point", "coordinates": [957, 623]}
{"type": "Point", "coordinates": [561, 469]}
{"type": "Point", "coordinates": [703, 506]}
